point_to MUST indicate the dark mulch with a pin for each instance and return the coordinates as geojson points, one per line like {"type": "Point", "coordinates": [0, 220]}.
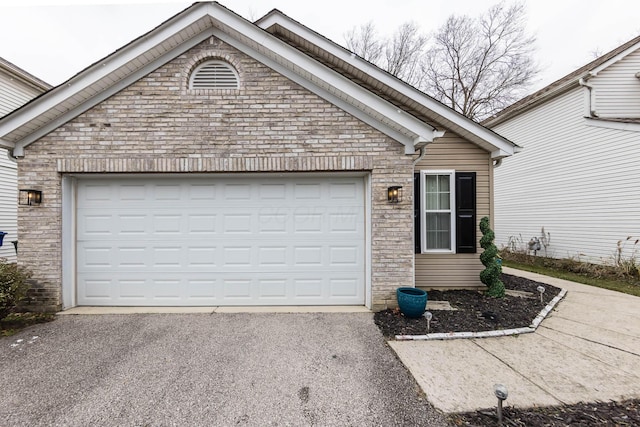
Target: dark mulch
{"type": "Point", "coordinates": [626, 413]}
{"type": "Point", "coordinates": [474, 312]}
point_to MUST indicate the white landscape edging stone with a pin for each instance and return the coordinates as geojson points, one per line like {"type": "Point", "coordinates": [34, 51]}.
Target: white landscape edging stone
{"type": "Point", "coordinates": [487, 334]}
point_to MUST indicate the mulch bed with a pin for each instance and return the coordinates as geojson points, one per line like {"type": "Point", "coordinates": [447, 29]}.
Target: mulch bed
{"type": "Point", "coordinates": [626, 413]}
{"type": "Point", "coordinates": [474, 311]}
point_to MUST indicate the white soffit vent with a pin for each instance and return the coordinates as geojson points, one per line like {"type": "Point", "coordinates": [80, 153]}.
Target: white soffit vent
{"type": "Point", "coordinates": [214, 75]}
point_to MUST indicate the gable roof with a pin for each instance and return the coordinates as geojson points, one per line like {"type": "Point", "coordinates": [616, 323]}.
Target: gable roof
{"type": "Point", "coordinates": [383, 101]}
{"type": "Point", "coordinates": [566, 83]}
{"type": "Point", "coordinates": [24, 76]}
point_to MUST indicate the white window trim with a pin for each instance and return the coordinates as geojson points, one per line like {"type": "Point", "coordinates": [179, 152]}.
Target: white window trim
{"type": "Point", "coordinates": [423, 211]}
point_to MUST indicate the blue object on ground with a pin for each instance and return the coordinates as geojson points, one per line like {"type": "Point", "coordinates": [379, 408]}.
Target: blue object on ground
{"type": "Point", "coordinates": [412, 301]}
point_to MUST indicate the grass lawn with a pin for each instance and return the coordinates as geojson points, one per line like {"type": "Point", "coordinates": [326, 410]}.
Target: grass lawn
{"type": "Point", "coordinates": [15, 322]}
{"type": "Point", "coordinates": [627, 285]}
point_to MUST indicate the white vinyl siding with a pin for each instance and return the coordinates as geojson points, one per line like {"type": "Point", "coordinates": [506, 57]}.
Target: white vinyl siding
{"type": "Point", "coordinates": [221, 241]}
{"type": "Point", "coordinates": [617, 89]}
{"type": "Point", "coordinates": [579, 182]}
{"type": "Point", "coordinates": [8, 205]}
{"type": "Point", "coordinates": [14, 93]}
{"type": "Point", "coordinates": [450, 270]}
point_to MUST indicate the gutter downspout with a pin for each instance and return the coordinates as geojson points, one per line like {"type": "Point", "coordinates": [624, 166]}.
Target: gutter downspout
{"type": "Point", "coordinates": [423, 151]}
{"type": "Point", "coordinates": [590, 97]}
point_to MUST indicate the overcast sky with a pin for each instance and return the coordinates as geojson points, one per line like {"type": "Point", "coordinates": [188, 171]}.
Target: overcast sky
{"type": "Point", "coordinates": [54, 39]}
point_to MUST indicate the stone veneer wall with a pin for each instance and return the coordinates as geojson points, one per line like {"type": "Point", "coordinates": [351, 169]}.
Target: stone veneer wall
{"type": "Point", "coordinates": [270, 124]}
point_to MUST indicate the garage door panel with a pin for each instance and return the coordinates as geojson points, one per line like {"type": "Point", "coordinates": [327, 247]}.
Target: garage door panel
{"type": "Point", "coordinates": [225, 241]}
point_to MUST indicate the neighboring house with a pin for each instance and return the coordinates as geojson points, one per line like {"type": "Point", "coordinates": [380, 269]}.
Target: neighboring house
{"type": "Point", "coordinates": [579, 171]}
{"type": "Point", "coordinates": [215, 161]}
{"type": "Point", "coordinates": [17, 87]}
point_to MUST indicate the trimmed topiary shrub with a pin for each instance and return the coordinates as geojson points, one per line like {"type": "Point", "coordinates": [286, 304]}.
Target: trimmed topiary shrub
{"type": "Point", "coordinates": [13, 286]}
{"type": "Point", "coordinates": [490, 276]}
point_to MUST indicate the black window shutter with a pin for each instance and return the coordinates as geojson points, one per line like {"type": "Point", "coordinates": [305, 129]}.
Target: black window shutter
{"type": "Point", "coordinates": [465, 212]}
{"type": "Point", "coordinates": [416, 213]}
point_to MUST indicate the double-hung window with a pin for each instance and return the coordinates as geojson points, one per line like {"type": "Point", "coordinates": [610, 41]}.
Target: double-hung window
{"type": "Point", "coordinates": [437, 210]}
{"type": "Point", "coordinates": [445, 211]}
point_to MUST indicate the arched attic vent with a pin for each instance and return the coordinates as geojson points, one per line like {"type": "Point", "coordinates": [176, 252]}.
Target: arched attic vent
{"type": "Point", "coordinates": [214, 74]}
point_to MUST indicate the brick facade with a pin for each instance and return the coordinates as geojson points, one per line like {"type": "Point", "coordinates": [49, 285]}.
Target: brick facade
{"type": "Point", "coordinates": [270, 124]}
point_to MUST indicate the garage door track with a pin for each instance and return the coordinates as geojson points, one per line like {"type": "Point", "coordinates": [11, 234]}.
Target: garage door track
{"type": "Point", "coordinates": [219, 369]}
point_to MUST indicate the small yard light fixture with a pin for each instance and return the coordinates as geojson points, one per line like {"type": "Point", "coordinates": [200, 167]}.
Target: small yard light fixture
{"type": "Point", "coordinates": [427, 315]}
{"type": "Point", "coordinates": [30, 197]}
{"type": "Point", "coordinates": [394, 194]}
{"type": "Point", "coordinates": [501, 393]}
{"type": "Point", "coordinates": [541, 290]}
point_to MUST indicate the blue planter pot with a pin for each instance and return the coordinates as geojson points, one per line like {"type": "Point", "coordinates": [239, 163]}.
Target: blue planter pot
{"type": "Point", "coordinates": [2, 234]}
{"type": "Point", "coordinates": [412, 301]}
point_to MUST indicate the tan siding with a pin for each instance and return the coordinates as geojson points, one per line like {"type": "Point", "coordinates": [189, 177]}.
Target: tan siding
{"type": "Point", "coordinates": [456, 270]}
{"type": "Point", "coordinates": [617, 89]}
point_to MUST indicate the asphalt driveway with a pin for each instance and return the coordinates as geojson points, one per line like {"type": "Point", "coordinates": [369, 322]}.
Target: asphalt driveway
{"type": "Point", "coordinates": [325, 369]}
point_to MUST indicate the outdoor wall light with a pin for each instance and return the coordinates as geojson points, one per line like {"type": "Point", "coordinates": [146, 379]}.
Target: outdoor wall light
{"type": "Point", "coordinates": [30, 197]}
{"type": "Point", "coordinates": [394, 194]}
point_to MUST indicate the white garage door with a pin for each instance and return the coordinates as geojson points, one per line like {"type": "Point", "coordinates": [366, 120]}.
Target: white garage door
{"type": "Point", "coordinates": [221, 241]}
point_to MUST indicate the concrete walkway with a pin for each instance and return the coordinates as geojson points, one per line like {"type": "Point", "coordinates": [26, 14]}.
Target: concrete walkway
{"type": "Point", "coordinates": [587, 349]}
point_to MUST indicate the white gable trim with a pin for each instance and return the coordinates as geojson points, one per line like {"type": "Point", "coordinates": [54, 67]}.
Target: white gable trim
{"type": "Point", "coordinates": [501, 145]}
{"type": "Point", "coordinates": [184, 31]}
{"type": "Point", "coordinates": [96, 99]}
{"type": "Point", "coordinates": [614, 59]}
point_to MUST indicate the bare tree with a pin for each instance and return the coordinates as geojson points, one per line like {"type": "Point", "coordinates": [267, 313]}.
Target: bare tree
{"type": "Point", "coordinates": [404, 52]}
{"type": "Point", "coordinates": [399, 55]}
{"type": "Point", "coordinates": [480, 66]}
{"type": "Point", "coordinates": [476, 66]}
{"type": "Point", "coordinates": [364, 42]}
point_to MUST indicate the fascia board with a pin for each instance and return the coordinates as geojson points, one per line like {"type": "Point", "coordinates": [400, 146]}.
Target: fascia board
{"type": "Point", "coordinates": [98, 71]}
{"type": "Point", "coordinates": [416, 130]}
{"type": "Point", "coordinates": [396, 84]}
{"type": "Point", "coordinates": [112, 90]}
{"type": "Point", "coordinates": [6, 144]}
{"type": "Point", "coordinates": [330, 77]}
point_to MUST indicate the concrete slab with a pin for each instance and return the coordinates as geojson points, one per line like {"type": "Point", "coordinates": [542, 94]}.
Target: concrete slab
{"type": "Point", "coordinates": [602, 335]}
{"type": "Point", "coordinates": [563, 372]}
{"type": "Point", "coordinates": [295, 309]}
{"type": "Point", "coordinates": [439, 305]}
{"type": "Point", "coordinates": [137, 310]}
{"type": "Point", "coordinates": [622, 303]}
{"type": "Point", "coordinates": [209, 310]}
{"type": "Point", "coordinates": [607, 318]}
{"type": "Point", "coordinates": [459, 376]}
{"type": "Point", "coordinates": [622, 360]}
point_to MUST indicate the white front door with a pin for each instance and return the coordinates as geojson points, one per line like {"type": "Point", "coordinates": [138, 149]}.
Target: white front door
{"type": "Point", "coordinates": [177, 241]}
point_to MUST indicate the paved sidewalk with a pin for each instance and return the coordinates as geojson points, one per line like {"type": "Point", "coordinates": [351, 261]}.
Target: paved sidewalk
{"type": "Point", "coordinates": [587, 349]}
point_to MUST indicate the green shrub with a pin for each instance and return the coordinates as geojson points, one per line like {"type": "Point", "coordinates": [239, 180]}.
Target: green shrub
{"type": "Point", "coordinates": [13, 286]}
{"type": "Point", "coordinates": [490, 276]}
